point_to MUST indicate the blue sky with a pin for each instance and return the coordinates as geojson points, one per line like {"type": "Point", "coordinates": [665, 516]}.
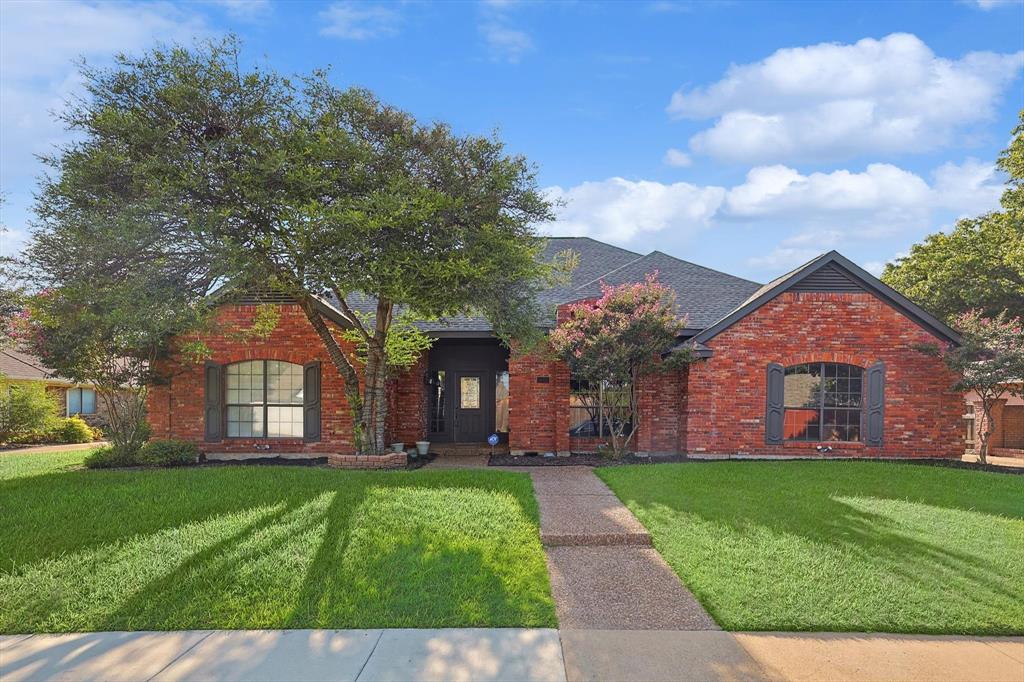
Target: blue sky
{"type": "Point", "coordinates": [746, 136]}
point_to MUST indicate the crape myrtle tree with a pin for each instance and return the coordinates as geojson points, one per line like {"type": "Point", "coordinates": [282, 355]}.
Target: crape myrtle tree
{"type": "Point", "coordinates": [989, 361]}
{"type": "Point", "coordinates": [979, 264]}
{"type": "Point", "coordinates": [616, 340]}
{"type": "Point", "coordinates": [237, 175]}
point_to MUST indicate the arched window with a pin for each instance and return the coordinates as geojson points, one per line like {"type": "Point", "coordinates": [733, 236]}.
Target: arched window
{"type": "Point", "coordinates": [823, 402]}
{"type": "Point", "coordinates": [263, 399]}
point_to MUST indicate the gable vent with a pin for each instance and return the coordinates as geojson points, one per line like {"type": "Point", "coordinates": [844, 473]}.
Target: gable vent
{"type": "Point", "coordinates": [260, 296]}
{"type": "Point", "coordinates": [831, 278]}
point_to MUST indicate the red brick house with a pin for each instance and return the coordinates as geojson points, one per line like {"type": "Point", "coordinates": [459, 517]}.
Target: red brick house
{"type": "Point", "coordinates": [821, 361]}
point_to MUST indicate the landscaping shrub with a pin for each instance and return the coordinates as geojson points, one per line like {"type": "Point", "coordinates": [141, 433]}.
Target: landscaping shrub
{"type": "Point", "coordinates": [165, 453]}
{"type": "Point", "coordinates": [97, 432]}
{"type": "Point", "coordinates": [71, 430]}
{"type": "Point", "coordinates": [27, 412]}
{"type": "Point", "coordinates": [155, 453]}
{"type": "Point", "coordinates": [109, 457]}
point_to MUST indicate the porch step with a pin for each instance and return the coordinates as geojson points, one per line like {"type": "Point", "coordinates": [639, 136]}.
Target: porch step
{"type": "Point", "coordinates": [578, 510]}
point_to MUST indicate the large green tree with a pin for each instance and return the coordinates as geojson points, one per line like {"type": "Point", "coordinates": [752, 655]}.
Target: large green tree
{"type": "Point", "coordinates": [979, 265]}
{"type": "Point", "coordinates": [225, 174]}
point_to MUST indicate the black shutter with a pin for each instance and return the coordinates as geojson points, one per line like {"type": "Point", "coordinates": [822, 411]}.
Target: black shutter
{"type": "Point", "coordinates": [311, 402]}
{"type": "Point", "coordinates": [776, 404]}
{"type": "Point", "coordinates": [213, 402]}
{"type": "Point", "coordinates": [875, 412]}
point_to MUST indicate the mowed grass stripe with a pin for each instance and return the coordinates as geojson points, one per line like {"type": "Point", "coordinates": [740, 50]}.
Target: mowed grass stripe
{"type": "Point", "coordinates": [838, 546]}
{"type": "Point", "coordinates": [267, 547]}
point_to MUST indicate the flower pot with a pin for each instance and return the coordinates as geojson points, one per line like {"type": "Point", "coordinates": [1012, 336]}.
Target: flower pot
{"type": "Point", "coordinates": [422, 446]}
{"type": "Point", "coordinates": [397, 447]}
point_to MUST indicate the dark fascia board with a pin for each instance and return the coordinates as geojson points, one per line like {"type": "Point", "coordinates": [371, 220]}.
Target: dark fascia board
{"type": "Point", "coordinates": [457, 334]}
{"type": "Point", "coordinates": [331, 313]}
{"type": "Point", "coordinates": [870, 282]}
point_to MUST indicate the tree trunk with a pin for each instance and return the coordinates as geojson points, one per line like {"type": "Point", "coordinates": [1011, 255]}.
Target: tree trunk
{"type": "Point", "coordinates": [986, 433]}
{"type": "Point", "coordinates": [126, 413]}
{"type": "Point", "coordinates": [374, 411]}
{"type": "Point", "coordinates": [345, 367]}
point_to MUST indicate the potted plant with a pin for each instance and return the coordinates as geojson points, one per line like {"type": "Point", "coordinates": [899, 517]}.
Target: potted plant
{"type": "Point", "coordinates": [398, 447]}
{"type": "Point", "coordinates": [422, 447]}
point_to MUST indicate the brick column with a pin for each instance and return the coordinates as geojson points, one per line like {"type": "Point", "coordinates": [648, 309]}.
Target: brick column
{"type": "Point", "coordinates": [998, 428]}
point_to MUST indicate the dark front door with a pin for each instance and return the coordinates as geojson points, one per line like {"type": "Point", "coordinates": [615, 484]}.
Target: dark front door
{"type": "Point", "coordinates": [470, 408]}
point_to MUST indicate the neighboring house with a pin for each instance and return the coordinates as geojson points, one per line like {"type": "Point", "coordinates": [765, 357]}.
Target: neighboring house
{"type": "Point", "coordinates": [821, 360]}
{"type": "Point", "coordinates": [74, 399]}
{"type": "Point", "coordinates": [1007, 439]}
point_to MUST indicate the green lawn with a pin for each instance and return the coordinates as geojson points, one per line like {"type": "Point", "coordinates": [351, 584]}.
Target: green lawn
{"type": "Point", "coordinates": [265, 547]}
{"type": "Point", "coordinates": [838, 546]}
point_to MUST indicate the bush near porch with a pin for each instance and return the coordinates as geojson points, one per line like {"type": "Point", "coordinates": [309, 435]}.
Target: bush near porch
{"type": "Point", "coordinates": [837, 545]}
{"type": "Point", "coordinates": [265, 547]}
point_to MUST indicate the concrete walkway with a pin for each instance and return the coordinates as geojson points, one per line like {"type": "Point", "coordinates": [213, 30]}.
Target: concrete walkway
{"type": "Point", "coordinates": [507, 654]}
{"type": "Point", "coordinates": [604, 573]}
{"type": "Point", "coordinates": [67, 447]}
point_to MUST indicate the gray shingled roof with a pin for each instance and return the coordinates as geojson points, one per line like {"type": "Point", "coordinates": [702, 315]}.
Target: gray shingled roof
{"type": "Point", "coordinates": [704, 295]}
{"type": "Point", "coordinates": [21, 366]}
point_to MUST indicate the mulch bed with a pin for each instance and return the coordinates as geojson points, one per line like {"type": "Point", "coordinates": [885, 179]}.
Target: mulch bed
{"type": "Point", "coordinates": [413, 463]}
{"type": "Point", "coordinates": [592, 460]}
{"type": "Point", "coordinates": [959, 464]}
{"type": "Point", "coordinates": [579, 459]}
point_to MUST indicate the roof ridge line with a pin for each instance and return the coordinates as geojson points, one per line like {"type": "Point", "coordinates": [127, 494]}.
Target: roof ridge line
{"type": "Point", "coordinates": [703, 267]}
{"type": "Point", "coordinates": [613, 270]}
{"type": "Point", "coordinates": [596, 241]}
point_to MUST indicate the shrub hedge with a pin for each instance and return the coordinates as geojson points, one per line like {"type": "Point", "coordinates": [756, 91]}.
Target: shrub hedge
{"type": "Point", "coordinates": [155, 453]}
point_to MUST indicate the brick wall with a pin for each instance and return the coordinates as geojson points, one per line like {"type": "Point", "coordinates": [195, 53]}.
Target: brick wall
{"type": "Point", "coordinates": [660, 402]}
{"type": "Point", "coordinates": [175, 409]}
{"type": "Point", "coordinates": [407, 405]}
{"type": "Point", "coordinates": [725, 406]}
{"type": "Point", "coordinates": [538, 403]}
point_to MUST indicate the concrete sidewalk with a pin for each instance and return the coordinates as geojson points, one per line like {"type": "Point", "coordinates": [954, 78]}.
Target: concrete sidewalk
{"type": "Point", "coordinates": [508, 654]}
{"type": "Point", "coordinates": [67, 447]}
{"type": "Point", "coordinates": [286, 655]}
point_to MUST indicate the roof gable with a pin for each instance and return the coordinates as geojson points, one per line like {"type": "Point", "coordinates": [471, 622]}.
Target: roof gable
{"type": "Point", "coordinates": [830, 272]}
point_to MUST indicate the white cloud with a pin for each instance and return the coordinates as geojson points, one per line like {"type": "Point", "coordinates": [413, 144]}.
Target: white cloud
{"type": "Point", "coordinates": [986, 5]}
{"type": "Point", "coordinates": [41, 38]}
{"type": "Point", "coordinates": [875, 267]}
{"type": "Point", "coordinates": [820, 211]}
{"type": "Point", "coordinates": [506, 44]}
{"type": "Point", "coordinates": [618, 210]}
{"type": "Point", "coordinates": [245, 10]}
{"type": "Point", "coordinates": [832, 101]}
{"type": "Point", "coordinates": [882, 194]}
{"type": "Point", "coordinates": [677, 158]}
{"type": "Point", "coordinates": [39, 42]}
{"type": "Point", "coordinates": [971, 188]}
{"type": "Point", "coordinates": [358, 21]}
{"type": "Point", "coordinates": [783, 259]}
